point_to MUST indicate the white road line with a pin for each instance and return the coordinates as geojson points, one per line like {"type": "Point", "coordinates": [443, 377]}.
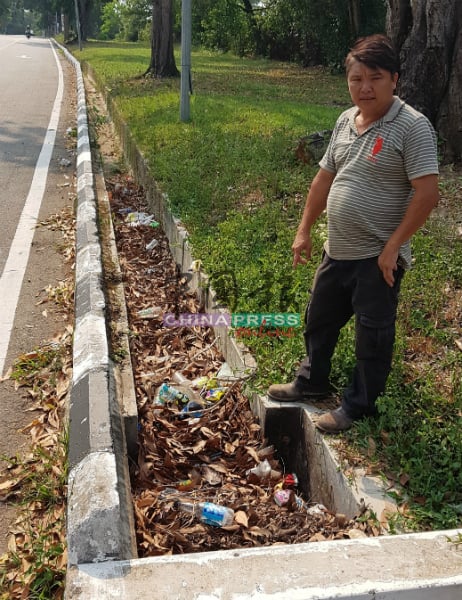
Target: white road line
{"type": "Point", "coordinates": [15, 267]}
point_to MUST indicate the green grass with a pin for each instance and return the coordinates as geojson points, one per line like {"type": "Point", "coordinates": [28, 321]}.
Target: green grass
{"type": "Point", "coordinates": [232, 176]}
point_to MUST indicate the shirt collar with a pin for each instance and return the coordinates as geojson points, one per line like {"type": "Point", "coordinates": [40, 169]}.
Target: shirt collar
{"type": "Point", "coordinates": [392, 112]}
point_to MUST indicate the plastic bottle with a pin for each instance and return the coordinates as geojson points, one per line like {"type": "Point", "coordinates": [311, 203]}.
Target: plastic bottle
{"type": "Point", "coordinates": [149, 313]}
{"type": "Point", "coordinates": [208, 512]}
{"type": "Point", "coordinates": [152, 244]}
{"type": "Point", "coordinates": [168, 393]}
{"type": "Point", "coordinates": [193, 410]}
{"type": "Point", "coordinates": [178, 377]}
{"type": "Point", "coordinates": [184, 385]}
{"type": "Point", "coordinates": [136, 218]}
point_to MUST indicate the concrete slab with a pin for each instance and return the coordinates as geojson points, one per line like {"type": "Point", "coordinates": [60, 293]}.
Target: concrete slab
{"type": "Point", "coordinates": [98, 524]}
{"type": "Point", "coordinates": [409, 567]}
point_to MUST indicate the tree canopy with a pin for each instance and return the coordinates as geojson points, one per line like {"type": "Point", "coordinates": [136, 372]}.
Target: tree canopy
{"type": "Point", "coordinates": [427, 33]}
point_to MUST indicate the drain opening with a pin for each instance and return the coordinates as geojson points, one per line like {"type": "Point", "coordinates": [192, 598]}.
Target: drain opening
{"type": "Point", "coordinates": [284, 429]}
{"type": "Point", "coordinates": [303, 451]}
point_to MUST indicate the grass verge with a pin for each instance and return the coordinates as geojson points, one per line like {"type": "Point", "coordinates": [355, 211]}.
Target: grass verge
{"type": "Point", "coordinates": [35, 483]}
{"type": "Point", "coordinates": [35, 565]}
{"type": "Point", "coordinates": [233, 176]}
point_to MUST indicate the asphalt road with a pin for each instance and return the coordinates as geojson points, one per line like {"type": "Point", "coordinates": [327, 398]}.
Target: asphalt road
{"type": "Point", "coordinates": [37, 181]}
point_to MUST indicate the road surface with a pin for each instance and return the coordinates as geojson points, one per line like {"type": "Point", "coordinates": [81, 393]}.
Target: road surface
{"type": "Point", "coordinates": [37, 181]}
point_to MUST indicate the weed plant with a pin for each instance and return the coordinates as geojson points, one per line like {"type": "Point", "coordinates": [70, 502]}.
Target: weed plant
{"type": "Point", "coordinates": [232, 176]}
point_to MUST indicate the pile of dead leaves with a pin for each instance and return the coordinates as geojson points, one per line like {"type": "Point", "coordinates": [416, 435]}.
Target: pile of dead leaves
{"type": "Point", "coordinates": [210, 459]}
{"type": "Point", "coordinates": [35, 565]}
{"type": "Point", "coordinates": [37, 557]}
{"type": "Point", "coordinates": [197, 459]}
{"type": "Point", "coordinates": [152, 281]}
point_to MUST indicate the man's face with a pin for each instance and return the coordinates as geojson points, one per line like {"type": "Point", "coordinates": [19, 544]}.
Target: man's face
{"type": "Point", "coordinates": [371, 90]}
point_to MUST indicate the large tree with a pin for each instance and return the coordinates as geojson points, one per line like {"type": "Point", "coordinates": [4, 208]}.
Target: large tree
{"type": "Point", "coordinates": [162, 57]}
{"type": "Point", "coordinates": [428, 35]}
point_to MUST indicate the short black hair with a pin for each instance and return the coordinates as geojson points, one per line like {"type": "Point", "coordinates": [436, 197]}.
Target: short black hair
{"type": "Point", "coordinates": [376, 52]}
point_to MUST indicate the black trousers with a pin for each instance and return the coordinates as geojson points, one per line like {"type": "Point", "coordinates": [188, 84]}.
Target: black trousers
{"type": "Point", "coordinates": [343, 288]}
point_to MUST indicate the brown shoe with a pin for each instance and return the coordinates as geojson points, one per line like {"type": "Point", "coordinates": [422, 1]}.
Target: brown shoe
{"type": "Point", "coordinates": [334, 421]}
{"type": "Point", "coordinates": [290, 392]}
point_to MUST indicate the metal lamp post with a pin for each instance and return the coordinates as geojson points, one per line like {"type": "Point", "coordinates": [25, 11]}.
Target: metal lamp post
{"type": "Point", "coordinates": [185, 60]}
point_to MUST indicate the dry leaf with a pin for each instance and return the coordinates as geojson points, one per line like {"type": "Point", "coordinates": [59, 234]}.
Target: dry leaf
{"type": "Point", "coordinates": [371, 447]}
{"type": "Point", "coordinates": [10, 483]}
{"type": "Point", "coordinates": [260, 532]}
{"type": "Point", "coordinates": [404, 479]}
{"type": "Point", "coordinates": [211, 475]}
{"type": "Point", "coordinates": [199, 446]}
{"type": "Point", "coordinates": [218, 467]}
{"type": "Point", "coordinates": [356, 534]}
{"type": "Point", "coordinates": [241, 518]}
{"type": "Point", "coordinates": [229, 448]}
{"type": "Point", "coordinates": [317, 537]}
{"type": "Point", "coordinates": [253, 454]}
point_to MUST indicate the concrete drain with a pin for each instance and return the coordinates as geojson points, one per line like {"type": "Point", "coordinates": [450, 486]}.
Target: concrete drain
{"type": "Point", "coordinates": [305, 451]}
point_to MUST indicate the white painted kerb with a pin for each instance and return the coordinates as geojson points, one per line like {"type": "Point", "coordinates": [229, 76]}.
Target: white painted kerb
{"type": "Point", "coordinates": [406, 567]}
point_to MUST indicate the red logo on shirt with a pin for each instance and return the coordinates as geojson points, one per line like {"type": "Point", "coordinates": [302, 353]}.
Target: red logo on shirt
{"type": "Point", "coordinates": [376, 149]}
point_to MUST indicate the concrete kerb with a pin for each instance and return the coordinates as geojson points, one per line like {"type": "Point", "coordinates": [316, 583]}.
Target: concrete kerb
{"type": "Point", "coordinates": [99, 500]}
{"type": "Point", "coordinates": [408, 567]}
{"type": "Point", "coordinates": [371, 569]}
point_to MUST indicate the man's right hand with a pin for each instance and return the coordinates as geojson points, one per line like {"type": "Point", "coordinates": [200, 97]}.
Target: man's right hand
{"type": "Point", "coordinates": [316, 202]}
{"type": "Point", "coordinates": [301, 248]}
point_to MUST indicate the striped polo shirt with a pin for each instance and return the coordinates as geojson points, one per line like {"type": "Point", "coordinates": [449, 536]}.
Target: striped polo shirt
{"type": "Point", "coordinates": [371, 189]}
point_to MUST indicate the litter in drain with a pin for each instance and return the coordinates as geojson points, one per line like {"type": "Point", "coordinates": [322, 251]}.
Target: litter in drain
{"type": "Point", "coordinates": [206, 458]}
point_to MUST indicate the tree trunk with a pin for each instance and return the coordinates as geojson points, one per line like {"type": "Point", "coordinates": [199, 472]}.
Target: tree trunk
{"type": "Point", "coordinates": [83, 17]}
{"type": "Point", "coordinates": [354, 13]}
{"type": "Point", "coordinates": [428, 36]}
{"type": "Point", "coordinates": [65, 21]}
{"type": "Point", "coordinates": [399, 20]}
{"type": "Point", "coordinates": [162, 57]}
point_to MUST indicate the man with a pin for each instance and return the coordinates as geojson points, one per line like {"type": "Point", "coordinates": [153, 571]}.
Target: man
{"type": "Point", "coordinates": [378, 181]}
